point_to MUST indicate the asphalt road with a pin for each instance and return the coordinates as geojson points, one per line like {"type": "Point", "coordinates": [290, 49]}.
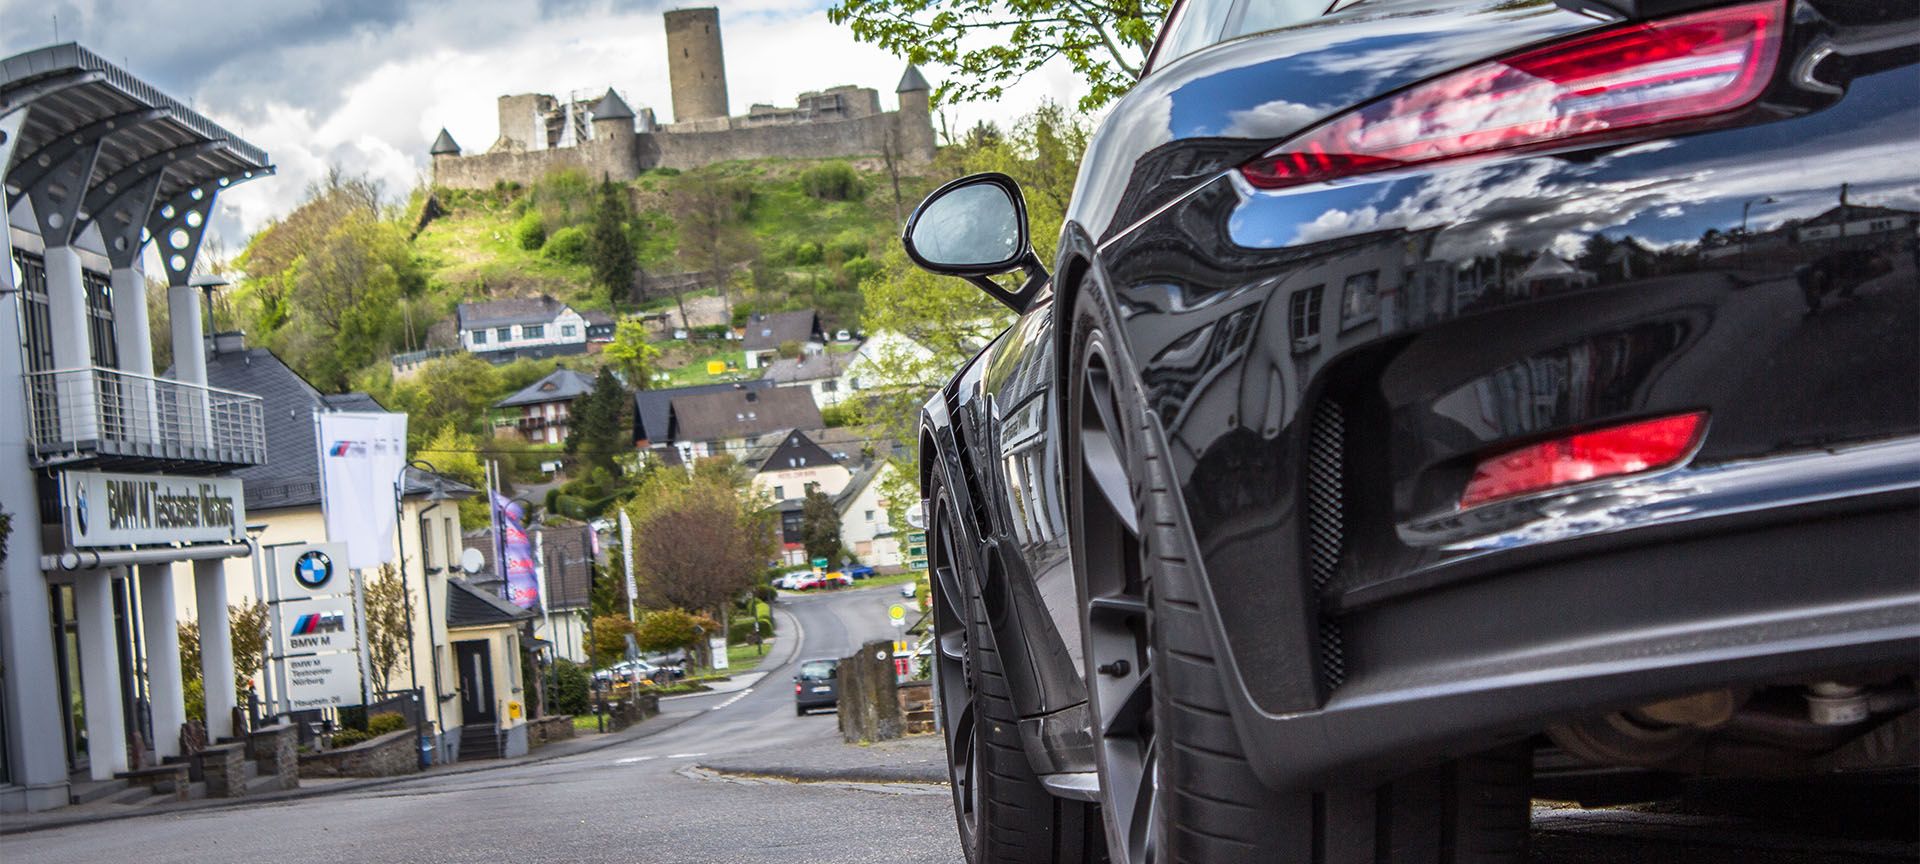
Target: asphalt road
{"type": "Point", "coordinates": [645, 801]}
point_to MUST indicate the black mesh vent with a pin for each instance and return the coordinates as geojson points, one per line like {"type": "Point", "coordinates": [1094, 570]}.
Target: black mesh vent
{"type": "Point", "coordinates": [1333, 660]}
{"type": "Point", "coordinates": [1326, 522]}
{"type": "Point", "coordinates": [1326, 500]}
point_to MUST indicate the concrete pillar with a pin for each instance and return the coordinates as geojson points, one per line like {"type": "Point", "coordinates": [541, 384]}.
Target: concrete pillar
{"type": "Point", "coordinates": [165, 692]}
{"type": "Point", "coordinates": [36, 747]}
{"type": "Point", "coordinates": [133, 342]}
{"type": "Point", "coordinates": [189, 365]}
{"type": "Point", "coordinates": [100, 673]}
{"type": "Point", "coordinates": [72, 349]}
{"type": "Point", "coordinates": [216, 645]}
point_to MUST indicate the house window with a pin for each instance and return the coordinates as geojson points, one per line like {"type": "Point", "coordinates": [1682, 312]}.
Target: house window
{"type": "Point", "coordinates": [479, 337]}
{"type": "Point", "coordinates": [566, 331]}
{"type": "Point", "coordinates": [779, 493]}
{"type": "Point", "coordinates": [504, 334]}
{"type": "Point", "coordinates": [106, 354]}
{"type": "Point", "coordinates": [869, 515]}
{"type": "Point", "coordinates": [829, 386]}
{"type": "Point", "coordinates": [1360, 299]}
{"type": "Point", "coordinates": [1303, 312]}
{"type": "Point", "coordinates": [533, 331]}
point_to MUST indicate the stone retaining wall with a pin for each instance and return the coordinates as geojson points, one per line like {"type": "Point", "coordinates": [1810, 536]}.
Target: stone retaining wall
{"type": "Point", "coordinates": [386, 756]}
{"type": "Point", "coordinates": [549, 729]}
{"type": "Point", "coordinates": [275, 749]}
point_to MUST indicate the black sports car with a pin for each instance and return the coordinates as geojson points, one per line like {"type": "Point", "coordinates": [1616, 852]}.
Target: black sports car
{"type": "Point", "coordinates": [1424, 409]}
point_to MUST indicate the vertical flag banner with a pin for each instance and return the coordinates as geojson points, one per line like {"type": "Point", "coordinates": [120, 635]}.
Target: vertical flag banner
{"type": "Point", "coordinates": [361, 454]}
{"type": "Point", "coordinates": [626, 556]}
{"type": "Point", "coordinates": [516, 553]}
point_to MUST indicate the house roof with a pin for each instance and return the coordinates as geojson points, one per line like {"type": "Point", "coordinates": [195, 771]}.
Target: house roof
{"type": "Point", "coordinates": [742, 413]}
{"type": "Point", "coordinates": [468, 606]}
{"type": "Point", "coordinates": [596, 317]}
{"type": "Point", "coordinates": [785, 451]}
{"type": "Point", "coordinates": [444, 145]}
{"type": "Point", "coordinates": [811, 367]}
{"type": "Point", "coordinates": [653, 409]}
{"type": "Point", "coordinates": [766, 332]}
{"type": "Point", "coordinates": [612, 107]}
{"type": "Point", "coordinates": [500, 313]}
{"type": "Point", "coordinates": [859, 483]}
{"type": "Point", "coordinates": [291, 475]}
{"type": "Point", "coordinates": [560, 385]}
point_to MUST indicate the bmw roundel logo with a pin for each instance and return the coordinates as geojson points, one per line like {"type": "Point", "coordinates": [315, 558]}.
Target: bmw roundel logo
{"type": "Point", "coordinates": [313, 568]}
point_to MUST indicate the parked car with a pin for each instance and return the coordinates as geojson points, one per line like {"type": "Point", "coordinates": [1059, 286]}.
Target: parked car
{"type": "Point", "coordinates": [908, 589]}
{"type": "Point", "coordinates": [638, 671]}
{"type": "Point", "coordinates": [817, 685]}
{"type": "Point", "coordinates": [1412, 434]}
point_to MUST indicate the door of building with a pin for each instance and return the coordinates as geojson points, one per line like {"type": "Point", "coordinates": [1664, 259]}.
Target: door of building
{"type": "Point", "coordinates": [476, 681]}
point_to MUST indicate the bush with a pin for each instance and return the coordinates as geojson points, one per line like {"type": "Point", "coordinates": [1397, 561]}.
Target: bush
{"type": "Point", "coordinates": [860, 269]}
{"type": "Point", "coordinates": [353, 717]}
{"type": "Point", "coordinates": [567, 245]}
{"type": "Point", "coordinates": [806, 254]}
{"type": "Point", "coordinates": [570, 687]}
{"type": "Point", "coordinates": [833, 181]}
{"type": "Point", "coordinates": [843, 414]}
{"type": "Point", "coordinates": [741, 631]}
{"type": "Point", "coordinates": [530, 232]}
{"type": "Point", "coordinates": [381, 724]}
{"type": "Point", "coordinates": [348, 738]}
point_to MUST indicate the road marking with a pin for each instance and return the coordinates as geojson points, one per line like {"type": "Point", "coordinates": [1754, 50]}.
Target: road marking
{"type": "Point", "coordinates": [735, 698]}
{"type": "Point", "coordinates": [685, 755]}
{"type": "Point", "coordinates": [631, 759]}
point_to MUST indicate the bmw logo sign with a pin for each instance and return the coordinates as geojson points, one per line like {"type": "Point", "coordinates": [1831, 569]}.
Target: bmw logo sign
{"type": "Point", "coordinates": [313, 569]}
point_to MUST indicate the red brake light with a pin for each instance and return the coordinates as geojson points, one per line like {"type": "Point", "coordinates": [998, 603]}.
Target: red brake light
{"type": "Point", "coordinates": [1588, 87]}
{"type": "Point", "coordinates": [1592, 455]}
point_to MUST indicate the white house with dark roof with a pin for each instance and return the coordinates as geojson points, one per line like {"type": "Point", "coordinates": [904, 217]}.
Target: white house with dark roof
{"type": "Point", "coordinates": [506, 330]}
{"type": "Point", "coordinates": [539, 412]}
{"type": "Point", "coordinates": [823, 374]}
{"type": "Point", "coordinates": [788, 464]}
{"type": "Point", "coordinates": [766, 333]}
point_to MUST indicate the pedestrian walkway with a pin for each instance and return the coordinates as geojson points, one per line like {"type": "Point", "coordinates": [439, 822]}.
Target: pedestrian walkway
{"type": "Point", "coordinates": [914, 759]}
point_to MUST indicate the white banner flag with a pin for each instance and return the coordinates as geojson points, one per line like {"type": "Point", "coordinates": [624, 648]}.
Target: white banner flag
{"type": "Point", "coordinates": [361, 454]}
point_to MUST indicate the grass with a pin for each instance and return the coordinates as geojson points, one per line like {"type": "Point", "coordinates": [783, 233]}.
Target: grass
{"type": "Point", "coordinates": [586, 723]}
{"type": "Point", "coordinates": [695, 372]}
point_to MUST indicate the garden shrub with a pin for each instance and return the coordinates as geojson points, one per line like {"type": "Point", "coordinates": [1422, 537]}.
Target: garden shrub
{"type": "Point", "coordinates": [833, 181]}
{"type": "Point", "coordinates": [381, 724]}
{"type": "Point", "coordinates": [530, 232]}
{"type": "Point", "coordinates": [567, 245]}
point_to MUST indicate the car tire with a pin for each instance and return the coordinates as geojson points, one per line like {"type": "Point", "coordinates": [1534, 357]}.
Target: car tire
{"type": "Point", "coordinates": [1004, 814]}
{"type": "Point", "coordinates": [1176, 782]}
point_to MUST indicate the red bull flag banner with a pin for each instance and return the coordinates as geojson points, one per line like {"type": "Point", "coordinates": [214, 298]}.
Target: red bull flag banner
{"type": "Point", "coordinates": [523, 587]}
{"type": "Point", "coordinates": [361, 454]}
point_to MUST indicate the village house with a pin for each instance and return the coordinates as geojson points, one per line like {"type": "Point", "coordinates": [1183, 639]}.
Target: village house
{"type": "Point", "coordinates": [505, 330]}
{"type": "Point", "coordinates": [765, 334]}
{"type": "Point", "coordinates": [540, 411]}
{"type": "Point", "coordinates": [725, 421]}
{"type": "Point", "coordinates": [822, 373]}
{"type": "Point", "coordinates": [788, 464]}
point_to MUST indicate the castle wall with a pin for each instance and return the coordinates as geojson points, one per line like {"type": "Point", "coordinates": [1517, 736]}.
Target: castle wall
{"type": "Point", "coordinates": [617, 158]}
{"type": "Point", "coordinates": [857, 137]}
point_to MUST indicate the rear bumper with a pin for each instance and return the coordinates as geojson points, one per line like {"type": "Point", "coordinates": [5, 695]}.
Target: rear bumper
{"type": "Point", "coordinates": [1760, 582]}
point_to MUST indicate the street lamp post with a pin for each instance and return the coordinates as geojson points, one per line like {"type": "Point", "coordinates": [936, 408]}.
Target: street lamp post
{"type": "Point", "coordinates": [436, 494]}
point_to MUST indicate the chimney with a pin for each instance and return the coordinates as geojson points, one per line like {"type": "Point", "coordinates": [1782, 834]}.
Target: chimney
{"type": "Point", "coordinates": [230, 342]}
{"type": "Point", "coordinates": [752, 396]}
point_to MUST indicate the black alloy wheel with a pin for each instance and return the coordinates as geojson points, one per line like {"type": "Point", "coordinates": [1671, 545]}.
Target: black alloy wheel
{"type": "Point", "coordinates": [952, 668]}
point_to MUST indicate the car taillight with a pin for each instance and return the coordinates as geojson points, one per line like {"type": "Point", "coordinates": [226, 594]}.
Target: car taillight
{"type": "Point", "coordinates": [796, 689]}
{"type": "Point", "coordinates": [1627, 449]}
{"type": "Point", "coordinates": [1590, 87]}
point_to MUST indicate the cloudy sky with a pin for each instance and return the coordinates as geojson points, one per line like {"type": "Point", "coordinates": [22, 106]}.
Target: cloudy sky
{"type": "Point", "coordinates": [366, 84]}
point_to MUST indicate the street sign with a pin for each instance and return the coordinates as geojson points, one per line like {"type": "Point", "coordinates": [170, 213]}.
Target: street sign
{"type": "Point", "coordinates": [103, 509]}
{"type": "Point", "coordinates": [897, 612]}
{"type": "Point", "coordinates": [820, 563]}
{"type": "Point", "coordinates": [304, 571]}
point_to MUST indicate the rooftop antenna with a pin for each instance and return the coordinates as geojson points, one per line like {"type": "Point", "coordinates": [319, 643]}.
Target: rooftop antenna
{"type": "Point", "coordinates": [56, 28]}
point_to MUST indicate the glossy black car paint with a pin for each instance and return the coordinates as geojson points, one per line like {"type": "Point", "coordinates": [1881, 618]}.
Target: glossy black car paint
{"type": "Point", "coordinates": [1783, 549]}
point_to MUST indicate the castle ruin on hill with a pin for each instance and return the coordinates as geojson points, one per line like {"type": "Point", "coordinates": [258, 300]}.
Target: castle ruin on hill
{"type": "Point", "coordinates": [540, 134]}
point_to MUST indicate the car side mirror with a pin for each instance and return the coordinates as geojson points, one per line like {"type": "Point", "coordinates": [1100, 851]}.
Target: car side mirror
{"type": "Point", "coordinates": [976, 227]}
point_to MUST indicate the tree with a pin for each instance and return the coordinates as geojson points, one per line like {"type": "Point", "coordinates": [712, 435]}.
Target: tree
{"type": "Point", "coordinates": [708, 207]}
{"type": "Point", "coordinates": [819, 525]}
{"type": "Point", "coordinates": [610, 634]}
{"type": "Point", "coordinates": [597, 424]}
{"type": "Point", "coordinates": [992, 44]}
{"type": "Point", "coordinates": [246, 636]}
{"type": "Point", "coordinates": [389, 626]}
{"type": "Point", "coordinates": [697, 544]}
{"type": "Point", "coordinates": [631, 354]}
{"type": "Point", "coordinates": [672, 629]}
{"type": "Point", "coordinates": [453, 454]}
{"type": "Point", "coordinates": [609, 250]}
{"type": "Point", "coordinates": [453, 391]}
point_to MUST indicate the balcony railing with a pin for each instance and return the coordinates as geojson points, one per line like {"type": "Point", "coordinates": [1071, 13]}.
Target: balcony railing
{"type": "Point", "coordinates": [94, 414]}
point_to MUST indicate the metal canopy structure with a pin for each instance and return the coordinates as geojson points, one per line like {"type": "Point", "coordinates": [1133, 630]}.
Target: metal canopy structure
{"type": "Point", "coordinates": [141, 159]}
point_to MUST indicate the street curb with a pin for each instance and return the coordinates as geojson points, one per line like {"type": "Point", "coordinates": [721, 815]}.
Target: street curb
{"type": "Point", "coordinates": [864, 774]}
{"type": "Point", "coordinates": [647, 730]}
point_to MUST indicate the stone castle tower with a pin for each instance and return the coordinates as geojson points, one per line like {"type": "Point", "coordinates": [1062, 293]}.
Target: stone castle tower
{"type": "Point", "coordinates": [695, 68]}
